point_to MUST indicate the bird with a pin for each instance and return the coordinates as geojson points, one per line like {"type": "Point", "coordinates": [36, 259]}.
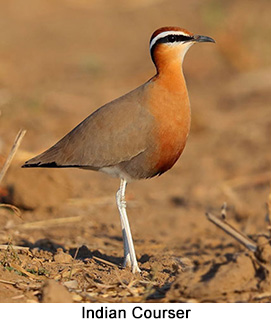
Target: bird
{"type": "Point", "coordinates": [139, 135]}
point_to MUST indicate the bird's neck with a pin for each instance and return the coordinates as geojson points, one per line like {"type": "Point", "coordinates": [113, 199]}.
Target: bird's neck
{"type": "Point", "coordinates": [170, 76]}
{"type": "Point", "coordinates": [169, 105]}
{"type": "Point", "coordinates": [167, 91]}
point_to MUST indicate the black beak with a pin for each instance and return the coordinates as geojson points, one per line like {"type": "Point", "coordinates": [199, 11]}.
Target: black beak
{"type": "Point", "coordinates": [199, 38]}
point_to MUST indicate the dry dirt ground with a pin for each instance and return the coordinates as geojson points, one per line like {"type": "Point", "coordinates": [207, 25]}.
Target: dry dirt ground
{"type": "Point", "coordinates": [62, 59]}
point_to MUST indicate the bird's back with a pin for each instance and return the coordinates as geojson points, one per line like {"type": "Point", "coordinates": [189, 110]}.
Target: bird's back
{"type": "Point", "coordinates": [116, 132]}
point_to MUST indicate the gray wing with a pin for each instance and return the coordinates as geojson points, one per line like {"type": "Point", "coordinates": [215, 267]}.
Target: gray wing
{"type": "Point", "coordinates": [116, 132]}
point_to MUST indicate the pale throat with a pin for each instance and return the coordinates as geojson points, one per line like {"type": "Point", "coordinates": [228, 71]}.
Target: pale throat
{"type": "Point", "coordinates": [169, 61]}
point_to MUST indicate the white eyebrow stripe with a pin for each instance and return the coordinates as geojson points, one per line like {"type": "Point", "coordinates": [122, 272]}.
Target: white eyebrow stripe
{"type": "Point", "coordinates": [166, 33]}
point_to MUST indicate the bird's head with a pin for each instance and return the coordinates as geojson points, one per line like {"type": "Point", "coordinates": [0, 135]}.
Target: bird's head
{"type": "Point", "coordinates": [170, 44]}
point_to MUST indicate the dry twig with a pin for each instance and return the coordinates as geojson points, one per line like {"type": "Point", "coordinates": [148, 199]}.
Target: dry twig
{"type": "Point", "coordinates": [25, 272]}
{"type": "Point", "coordinates": [73, 261]}
{"type": "Point", "coordinates": [49, 222]}
{"type": "Point", "coordinates": [7, 282]}
{"type": "Point", "coordinates": [14, 208]}
{"type": "Point", "coordinates": [12, 153]}
{"type": "Point", "coordinates": [105, 261]}
{"type": "Point", "coordinates": [3, 171]}
{"type": "Point", "coordinates": [226, 227]}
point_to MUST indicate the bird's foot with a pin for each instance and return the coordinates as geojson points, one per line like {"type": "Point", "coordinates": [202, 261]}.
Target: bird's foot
{"type": "Point", "coordinates": [135, 269]}
{"type": "Point", "coordinates": [133, 265]}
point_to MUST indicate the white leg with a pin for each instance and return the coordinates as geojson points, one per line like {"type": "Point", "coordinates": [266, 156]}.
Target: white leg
{"type": "Point", "coordinates": [127, 258]}
{"type": "Point", "coordinates": [129, 251]}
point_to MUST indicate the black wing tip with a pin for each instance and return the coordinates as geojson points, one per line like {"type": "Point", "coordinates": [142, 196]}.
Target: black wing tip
{"type": "Point", "coordinates": [50, 165]}
{"type": "Point", "coordinates": [45, 165]}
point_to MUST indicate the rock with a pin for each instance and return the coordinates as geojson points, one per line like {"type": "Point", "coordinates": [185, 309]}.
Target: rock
{"type": "Point", "coordinates": [264, 250]}
{"type": "Point", "coordinates": [54, 292]}
{"type": "Point", "coordinates": [62, 257]}
{"type": "Point", "coordinates": [33, 188]}
{"type": "Point", "coordinates": [72, 284]}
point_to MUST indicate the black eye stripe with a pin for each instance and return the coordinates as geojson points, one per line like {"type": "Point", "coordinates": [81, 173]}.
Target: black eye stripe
{"type": "Point", "coordinates": [174, 38]}
{"type": "Point", "coordinates": [171, 38]}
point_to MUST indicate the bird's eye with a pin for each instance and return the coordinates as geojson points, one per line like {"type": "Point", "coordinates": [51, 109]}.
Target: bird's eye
{"type": "Point", "coordinates": [172, 38]}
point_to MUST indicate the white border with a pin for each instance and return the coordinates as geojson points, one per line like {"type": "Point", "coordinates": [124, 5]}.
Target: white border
{"type": "Point", "coordinates": [166, 33]}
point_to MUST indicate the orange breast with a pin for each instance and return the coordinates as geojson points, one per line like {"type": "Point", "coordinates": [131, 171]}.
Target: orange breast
{"type": "Point", "coordinates": [169, 104]}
